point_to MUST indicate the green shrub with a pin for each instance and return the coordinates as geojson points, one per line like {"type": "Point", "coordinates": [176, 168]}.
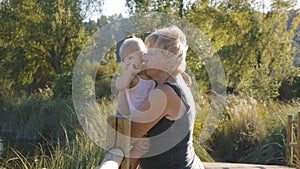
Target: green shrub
{"type": "Point", "coordinates": [290, 89]}
{"type": "Point", "coordinates": [62, 85]}
{"type": "Point", "coordinates": [252, 131]}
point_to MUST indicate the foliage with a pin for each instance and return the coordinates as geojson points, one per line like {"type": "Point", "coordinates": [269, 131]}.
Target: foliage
{"type": "Point", "coordinates": [272, 149]}
{"type": "Point", "coordinates": [174, 7]}
{"type": "Point", "coordinates": [252, 131]}
{"type": "Point", "coordinates": [290, 89]}
{"type": "Point", "coordinates": [256, 48]}
{"type": "Point", "coordinates": [109, 68]}
{"type": "Point", "coordinates": [241, 128]}
{"type": "Point", "coordinates": [30, 116]}
{"type": "Point", "coordinates": [269, 151]}
{"type": "Point", "coordinates": [40, 39]}
{"type": "Point", "coordinates": [62, 85]}
{"type": "Point", "coordinates": [75, 153]}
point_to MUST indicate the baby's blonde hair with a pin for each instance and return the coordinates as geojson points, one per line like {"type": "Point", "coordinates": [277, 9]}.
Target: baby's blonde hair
{"type": "Point", "coordinates": [136, 43]}
{"type": "Point", "coordinates": [172, 43]}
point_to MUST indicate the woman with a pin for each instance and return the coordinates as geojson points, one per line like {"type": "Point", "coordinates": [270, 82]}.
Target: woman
{"type": "Point", "coordinates": [167, 116]}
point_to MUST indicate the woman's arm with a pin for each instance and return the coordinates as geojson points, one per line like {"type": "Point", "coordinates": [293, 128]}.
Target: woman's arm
{"type": "Point", "coordinates": [162, 102]}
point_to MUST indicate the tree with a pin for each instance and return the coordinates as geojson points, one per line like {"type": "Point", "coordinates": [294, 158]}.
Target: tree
{"type": "Point", "coordinates": [175, 7]}
{"type": "Point", "coordinates": [39, 40]}
{"type": "Point", "coordinates": [256, 48]}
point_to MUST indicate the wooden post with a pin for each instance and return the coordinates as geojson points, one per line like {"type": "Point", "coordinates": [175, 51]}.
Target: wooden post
{"type": "Point", "coordinates": [118, 136]}
{"type": "Point", "coordinates": [289, 140]}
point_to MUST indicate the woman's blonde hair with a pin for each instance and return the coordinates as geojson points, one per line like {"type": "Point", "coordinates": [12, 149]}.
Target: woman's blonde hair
{"type": "Point", "coordinates": [173, 47]}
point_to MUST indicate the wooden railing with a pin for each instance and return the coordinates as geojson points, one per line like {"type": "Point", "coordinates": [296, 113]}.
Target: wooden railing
{"type": "Point", "coordinates": [290, 143]}
{"type": "Point", "coordinates": [117, 142]}
{"type": "Point", "coordinates": [113, 159]}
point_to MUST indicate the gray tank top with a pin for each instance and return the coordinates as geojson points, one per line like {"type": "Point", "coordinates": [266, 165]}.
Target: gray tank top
{"type": "Point", "coordinates": [172, 142]}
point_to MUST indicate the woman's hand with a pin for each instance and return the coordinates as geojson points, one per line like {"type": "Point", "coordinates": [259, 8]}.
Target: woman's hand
{"type": "Point", "coordinates": [187, 79]}
{"type": "Point", "coordinates": [140, 147]}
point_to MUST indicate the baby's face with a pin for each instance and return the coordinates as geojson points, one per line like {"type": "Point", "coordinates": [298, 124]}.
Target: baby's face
{"type": "Point", "coordinates": [132, 57]}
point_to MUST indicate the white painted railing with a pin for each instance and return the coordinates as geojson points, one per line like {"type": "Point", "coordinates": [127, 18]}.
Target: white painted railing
{"type": "Point", "coordinates": [112, 160]}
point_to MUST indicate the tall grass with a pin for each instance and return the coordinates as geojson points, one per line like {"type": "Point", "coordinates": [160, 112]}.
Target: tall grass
{"type": "Point", "coordinates": [27, 117]}
{"type": "Point", "coordinates": [271, 150]}
{"type": "Point", "coordinates": [252, 131]}
{"type": "Point", "coordinates": [53, 122]}
{"type": "Point", "coordinates": [80, 153]}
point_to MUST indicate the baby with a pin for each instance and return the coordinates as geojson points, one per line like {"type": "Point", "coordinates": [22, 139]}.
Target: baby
{"type": "Point", "coordinates": [133, 82]}
{"type": "Point", "coordinates": [134, 86]}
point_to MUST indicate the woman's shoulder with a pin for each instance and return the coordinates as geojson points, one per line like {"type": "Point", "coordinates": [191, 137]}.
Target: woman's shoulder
{"type": "Point", "coordinates": [175, 107]}
{"type": "Point", "coordinates": [171, 90]}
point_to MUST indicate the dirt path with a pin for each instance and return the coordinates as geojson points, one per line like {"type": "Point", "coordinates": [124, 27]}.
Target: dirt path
{"type": "Point", "coordinates": [217, 165]}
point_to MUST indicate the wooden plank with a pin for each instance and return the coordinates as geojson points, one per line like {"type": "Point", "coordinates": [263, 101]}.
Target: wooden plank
{"type": "Point", "coordinates": [294, 121]}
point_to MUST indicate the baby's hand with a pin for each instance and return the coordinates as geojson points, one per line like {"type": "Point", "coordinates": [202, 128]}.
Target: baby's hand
{"type": "Point", "coordinates": [134, 68]}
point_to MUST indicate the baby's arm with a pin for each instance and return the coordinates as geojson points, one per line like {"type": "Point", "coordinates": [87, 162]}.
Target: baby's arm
{"type": "Point", "coordinates": [127, 76]}
{"type": "Point", "coordinates": [124, 79]}
{"type": "Point", "coordinates": [122, 107]}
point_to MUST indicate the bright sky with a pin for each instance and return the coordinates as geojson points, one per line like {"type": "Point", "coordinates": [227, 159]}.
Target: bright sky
{"type": "Point", "coordinates": [112, 7]}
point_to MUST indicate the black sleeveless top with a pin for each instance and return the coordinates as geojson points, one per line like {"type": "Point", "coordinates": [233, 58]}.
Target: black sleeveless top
{"type": "Point", "coordinates": [171, 142]}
